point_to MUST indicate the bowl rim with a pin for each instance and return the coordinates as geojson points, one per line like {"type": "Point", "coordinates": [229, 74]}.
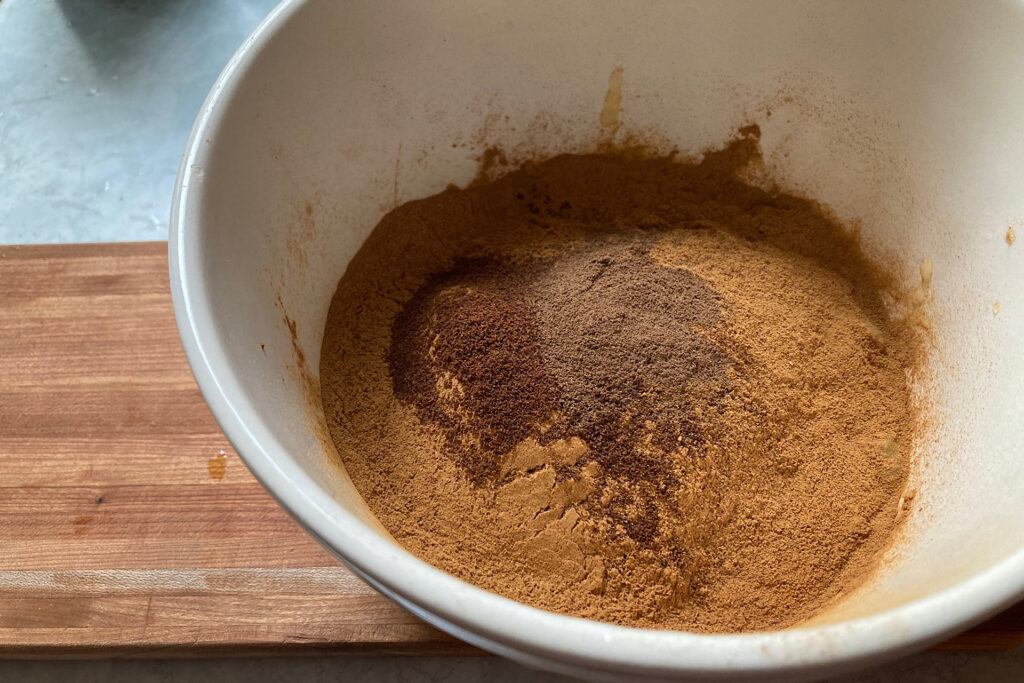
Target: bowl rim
{"type": "Point", "coordinates": [478, 616]}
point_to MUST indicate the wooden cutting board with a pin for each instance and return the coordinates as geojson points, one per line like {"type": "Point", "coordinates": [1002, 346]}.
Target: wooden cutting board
{"type": "Point", "coordinates": [128, 526]}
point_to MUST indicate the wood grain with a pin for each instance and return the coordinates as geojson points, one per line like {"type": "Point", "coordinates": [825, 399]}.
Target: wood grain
{"type": "Point", "coordinates": [117, 537]}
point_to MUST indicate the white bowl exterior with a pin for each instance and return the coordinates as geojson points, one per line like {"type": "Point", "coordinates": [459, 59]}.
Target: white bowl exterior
{"type": "Point", "coordinates": [901, 119]}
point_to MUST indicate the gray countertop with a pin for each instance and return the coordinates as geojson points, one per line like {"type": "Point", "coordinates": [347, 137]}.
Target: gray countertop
{"type": "Point", "coordinates": [932, 667]}
{"type": "Point", "coordinates": [96, 100]}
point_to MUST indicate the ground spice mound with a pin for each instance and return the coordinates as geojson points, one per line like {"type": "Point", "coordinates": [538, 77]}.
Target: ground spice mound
{"type": "Point", "coordinates": [466, 351]}
{"type": "Point", "coordinates": [628, 389]}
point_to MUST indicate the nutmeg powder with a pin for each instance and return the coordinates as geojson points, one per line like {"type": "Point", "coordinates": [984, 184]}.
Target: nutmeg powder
{"type": "Point", "coordinates": [626, 388]}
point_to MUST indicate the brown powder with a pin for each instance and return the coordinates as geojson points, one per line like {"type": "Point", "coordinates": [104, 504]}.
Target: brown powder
{"type": "Point", "coordinates": [626, 343]}
{"type": "Point", "coordinates": [466, 351]}
{"type": "Point", "coordinates": [627, 389]}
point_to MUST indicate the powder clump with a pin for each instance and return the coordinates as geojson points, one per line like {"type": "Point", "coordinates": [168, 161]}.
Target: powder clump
{"type": "Point", "coordinates": [625, 388]}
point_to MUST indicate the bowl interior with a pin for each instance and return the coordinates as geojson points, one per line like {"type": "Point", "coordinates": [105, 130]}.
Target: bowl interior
{"type": "Point", "coordinates": [903, 119]}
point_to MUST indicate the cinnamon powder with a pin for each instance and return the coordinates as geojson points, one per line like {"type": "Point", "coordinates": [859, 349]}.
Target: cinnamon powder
{"type": "Point", "coordinates": [628, 389]}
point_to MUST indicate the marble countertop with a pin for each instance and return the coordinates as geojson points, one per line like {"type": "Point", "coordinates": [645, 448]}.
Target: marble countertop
{"type": "Point", "coordinates": [96, 100]}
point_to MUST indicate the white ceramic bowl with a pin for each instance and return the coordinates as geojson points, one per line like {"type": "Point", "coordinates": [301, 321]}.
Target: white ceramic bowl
{"type": "Point", "coordinates": [903, 119]}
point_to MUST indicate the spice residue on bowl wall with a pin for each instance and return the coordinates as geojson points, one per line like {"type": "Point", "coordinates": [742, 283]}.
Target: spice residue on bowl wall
{"type": "Point", "coordinates": [626, 388]}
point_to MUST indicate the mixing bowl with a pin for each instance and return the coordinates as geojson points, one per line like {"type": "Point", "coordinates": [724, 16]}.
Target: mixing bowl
{"type": "Point", "coordinates": [902, 118]}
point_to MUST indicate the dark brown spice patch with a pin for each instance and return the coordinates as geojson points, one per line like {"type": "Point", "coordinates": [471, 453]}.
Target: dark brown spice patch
{"type": "Point", "coordinates": [604, 338]}
{"type": "Point", "coordinates": [626, 340]}
{"type": "Point", "coordinates": [467, 353]}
